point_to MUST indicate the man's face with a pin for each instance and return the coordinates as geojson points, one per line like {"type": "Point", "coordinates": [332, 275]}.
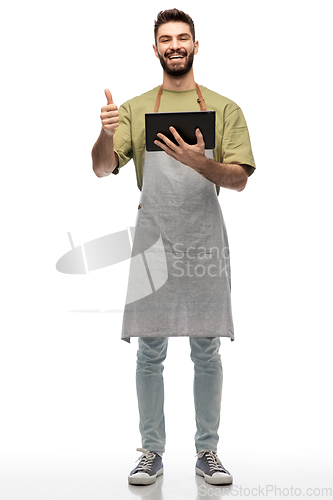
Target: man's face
{"type": "Point", "coordinates": [175, 48]}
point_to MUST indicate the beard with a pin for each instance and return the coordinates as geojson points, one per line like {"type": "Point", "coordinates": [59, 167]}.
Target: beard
{"type": "Point", "coordinates": [177, 69]}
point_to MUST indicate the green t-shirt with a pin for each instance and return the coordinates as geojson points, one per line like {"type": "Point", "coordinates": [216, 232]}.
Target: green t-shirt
{"type": "Point", "coordinates": [232, 142]}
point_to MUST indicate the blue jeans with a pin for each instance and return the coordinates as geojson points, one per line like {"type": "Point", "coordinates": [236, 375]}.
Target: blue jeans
{"type": "Point", "coordinates": [207, 390]}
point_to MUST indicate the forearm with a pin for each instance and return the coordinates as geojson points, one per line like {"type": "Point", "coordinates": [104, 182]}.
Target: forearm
{"type": "Point", "coordinates": [226, 175]}
{"type": "Point", "coordinates": [105, 160]}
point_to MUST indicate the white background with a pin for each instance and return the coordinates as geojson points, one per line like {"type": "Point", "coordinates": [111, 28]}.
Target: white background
{"type": "Point", "coordinates": [67, 380]}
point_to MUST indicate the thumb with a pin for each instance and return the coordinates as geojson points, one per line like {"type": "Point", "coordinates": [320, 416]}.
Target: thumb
{"type": "Point", "coordinates": [108, 95]}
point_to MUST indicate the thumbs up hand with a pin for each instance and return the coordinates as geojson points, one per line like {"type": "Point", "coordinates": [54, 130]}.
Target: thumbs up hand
{"type": "Point", "coordinates": [109, 114]}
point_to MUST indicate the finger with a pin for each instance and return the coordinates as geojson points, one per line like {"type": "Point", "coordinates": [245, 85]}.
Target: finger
{"type": "Point", "coordinates": [108, 95]}
{"type": "Point", "coordinates": [112, 126]}
{"type": "Point", "coordinates": [109, 108]}
{"type": "Point", "coordinates": [200, 139]}
{"type": "Point", "coordinates": [113, 113]}
{"type": "Point", "coordinates": [169, 151]}
{"type": "Point", "coordinates": [160, 145]}
{"type": "Point", "coordinates": [176, 136]}
{"type": "Point", "coordinates": [109, 119]}
{"type": "Point", "coordinates": [170, 144]}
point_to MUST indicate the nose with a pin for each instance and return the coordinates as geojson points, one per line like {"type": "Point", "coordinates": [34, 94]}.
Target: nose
{"type": "Point", "coordinates": [175, 43]}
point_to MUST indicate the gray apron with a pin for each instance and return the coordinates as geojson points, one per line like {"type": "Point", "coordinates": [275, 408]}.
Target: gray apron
{"type": "Point", "coordinates": [179, 278]}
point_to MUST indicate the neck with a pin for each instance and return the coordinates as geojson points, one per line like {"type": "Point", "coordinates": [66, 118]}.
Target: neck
{"type": "Point", "coordinates": [179, 83]}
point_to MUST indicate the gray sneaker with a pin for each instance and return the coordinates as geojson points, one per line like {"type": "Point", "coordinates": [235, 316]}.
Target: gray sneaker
{"type": "Point", "coordinates": [147, 470]}
{"type": "Point", "coordinates": [209, 466]}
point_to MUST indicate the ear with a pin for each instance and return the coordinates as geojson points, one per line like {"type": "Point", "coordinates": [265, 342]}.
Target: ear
{"type": "Point", "coordinates": [196, 47]}
{"type": "Point", "coordinates": [156, 51]}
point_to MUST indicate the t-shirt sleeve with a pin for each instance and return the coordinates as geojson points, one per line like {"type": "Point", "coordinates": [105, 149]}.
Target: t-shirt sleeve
{"type": "Point", "coordinates": [236, 146]}
{"type": "Point", "coordinates": [122, 139]}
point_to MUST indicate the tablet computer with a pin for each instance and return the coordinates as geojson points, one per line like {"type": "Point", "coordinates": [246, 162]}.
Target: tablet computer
{"type": "Point", "coordinates": [185, 123]}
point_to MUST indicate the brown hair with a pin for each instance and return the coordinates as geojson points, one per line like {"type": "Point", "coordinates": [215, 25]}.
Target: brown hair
{"type": "Point", "coordinates": [175, 16]}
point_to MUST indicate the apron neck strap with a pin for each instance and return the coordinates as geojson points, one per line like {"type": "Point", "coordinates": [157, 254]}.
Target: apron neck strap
{"type": "Point", "coordinates": [200, 99]}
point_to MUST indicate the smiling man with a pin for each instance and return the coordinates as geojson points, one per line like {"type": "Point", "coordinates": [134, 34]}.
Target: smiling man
{"type": "Point", "coordinates": [178, 206]}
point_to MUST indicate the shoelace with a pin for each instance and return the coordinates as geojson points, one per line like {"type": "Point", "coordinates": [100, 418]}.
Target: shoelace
{"type": "Point", "coordinates": [147, 459]}
{"type": "Point", "coordinates": [213, 460]}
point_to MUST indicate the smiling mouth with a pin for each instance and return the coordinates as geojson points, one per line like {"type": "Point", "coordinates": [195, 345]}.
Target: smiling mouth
{"type": "Point", "coordinates": [175, 57]}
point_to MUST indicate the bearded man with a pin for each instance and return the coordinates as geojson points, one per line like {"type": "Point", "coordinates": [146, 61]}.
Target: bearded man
{"type": "Point", "coordinates": [179, 186]}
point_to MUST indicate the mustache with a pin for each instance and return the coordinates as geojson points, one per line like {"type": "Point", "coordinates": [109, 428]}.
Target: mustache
{"type": "Point", "coordinates": [173, 52]}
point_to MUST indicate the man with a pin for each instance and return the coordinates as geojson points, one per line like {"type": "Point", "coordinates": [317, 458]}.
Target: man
{"type": "Point", "coordinates": [179, 209]}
